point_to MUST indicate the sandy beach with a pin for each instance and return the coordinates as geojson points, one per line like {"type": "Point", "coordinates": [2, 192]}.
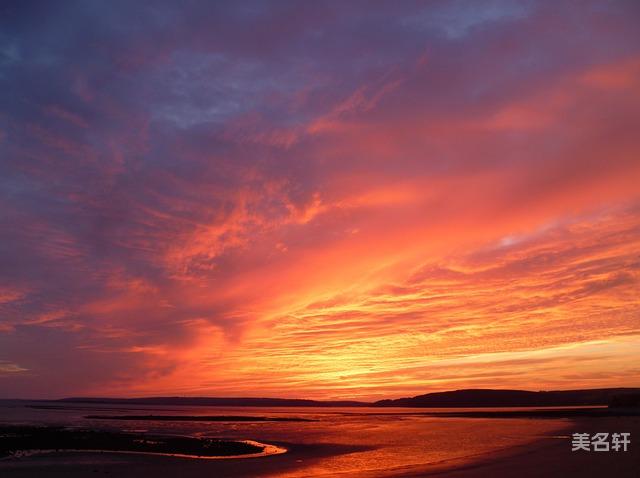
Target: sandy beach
{"type": "Point", "coordinates": [552, 457]}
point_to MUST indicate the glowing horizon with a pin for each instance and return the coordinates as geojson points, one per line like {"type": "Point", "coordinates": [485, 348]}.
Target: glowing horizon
{"type": "Point", "coordinates": [319, 200]}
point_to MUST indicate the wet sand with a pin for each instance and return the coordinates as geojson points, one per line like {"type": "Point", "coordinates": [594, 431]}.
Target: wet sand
{"type": "Point", "coordinates": [20, 441]}
{"type": "Point", "coordinates": [553, 458]}
{"type": "Point", "coordinates": [77, 465]}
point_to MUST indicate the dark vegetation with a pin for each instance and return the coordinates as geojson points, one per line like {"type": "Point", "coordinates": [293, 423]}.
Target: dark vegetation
{"type": "Point", "coordinates": [17, 439]}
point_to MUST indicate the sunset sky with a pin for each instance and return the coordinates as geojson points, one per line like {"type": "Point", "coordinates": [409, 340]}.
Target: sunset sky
{"type": "Point", "coordinates": [322, 200]}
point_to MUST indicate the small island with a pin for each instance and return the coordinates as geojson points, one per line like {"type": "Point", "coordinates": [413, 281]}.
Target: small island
{"type": "Point", "coordinates": [17, 441]}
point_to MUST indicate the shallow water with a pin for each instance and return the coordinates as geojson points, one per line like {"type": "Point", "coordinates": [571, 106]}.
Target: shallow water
{"type": "Point", "coordinates": [384, 440]}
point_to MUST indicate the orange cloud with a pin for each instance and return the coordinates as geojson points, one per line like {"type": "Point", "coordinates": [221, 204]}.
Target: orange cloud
{"type": "Point", "coordinates": [313, 208]}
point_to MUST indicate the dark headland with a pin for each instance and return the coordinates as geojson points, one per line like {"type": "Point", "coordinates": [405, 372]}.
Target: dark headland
{"type": "Point", "coordinates": [468, 398]}
{"type": "Point", "coordinates": [513, 398]}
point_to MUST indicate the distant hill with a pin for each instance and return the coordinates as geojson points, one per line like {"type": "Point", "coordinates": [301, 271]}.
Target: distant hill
{"type": "Point", "coordinates": [511, 398]}
{"type": "Point", "coordinates": [457, 398]}
{"type": "Point", "coordinates": [217, 402]}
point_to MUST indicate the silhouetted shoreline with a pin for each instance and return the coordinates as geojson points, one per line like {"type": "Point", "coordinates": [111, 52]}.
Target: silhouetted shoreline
{"type": "Point", "coordinates": [199, 418]}
{"type": "Point", "coordinates": [468, 398]}
{"type": "Point", "coordinates": [596, 412]}
{"type": "Point", "coordinates": [16, 441]}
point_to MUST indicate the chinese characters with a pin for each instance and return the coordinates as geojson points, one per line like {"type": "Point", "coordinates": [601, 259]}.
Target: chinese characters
{"type": "Point", "coordinates": [600, 441]}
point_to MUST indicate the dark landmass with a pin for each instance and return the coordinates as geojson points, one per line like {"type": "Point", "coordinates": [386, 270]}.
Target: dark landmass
{"type": "Point", "coordinates": [511, 398]}
{"type": "Point", "coordinates": [457, 398]}
{"type": "Point", "coordinates": [543, 413]}
{"type": "Point", "coordinates": [217, 402]}
{"type": "Point", "coordinates": [15, 440]}
{"type": "Point", "coordinates": [628, 400]}
{"type": "Point", "coordinates": [71, 465]}
{"type": "Point", "coordinates": [199, 418]}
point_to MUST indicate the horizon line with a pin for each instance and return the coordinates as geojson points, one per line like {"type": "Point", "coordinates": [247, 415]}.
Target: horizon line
{"type": "Point", "coordinates": [324, 400]}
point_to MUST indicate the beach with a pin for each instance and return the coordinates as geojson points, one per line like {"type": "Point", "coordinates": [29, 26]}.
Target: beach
{"type": "Point", "coordinates": [554, 458]}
